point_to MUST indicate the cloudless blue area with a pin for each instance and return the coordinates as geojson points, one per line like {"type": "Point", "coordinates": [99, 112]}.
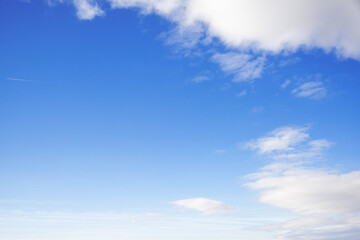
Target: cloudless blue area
{"type": "Point", "coordinates": [109, 115]}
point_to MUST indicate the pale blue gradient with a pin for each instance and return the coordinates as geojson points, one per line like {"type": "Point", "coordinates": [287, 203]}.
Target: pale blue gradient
{"type": "Point", "coordinates": [109, 127]}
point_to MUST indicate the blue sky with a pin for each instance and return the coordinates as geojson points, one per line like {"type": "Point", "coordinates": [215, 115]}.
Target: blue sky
{"type": "Point", "coordinates": [179, 120]}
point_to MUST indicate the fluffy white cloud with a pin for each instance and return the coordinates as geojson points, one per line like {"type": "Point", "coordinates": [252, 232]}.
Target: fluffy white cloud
{"type": "Point", "coordinates": [312, 90]}
{"type": "Point", "coordinates": [87, 9]}
{"type": "Point", "coordinates": [206, 206]}
{"type": "Point", "coordinates": [270, 26]}
{"type": "Point", "coordinates": [305, 191]}
{"type": "Point", "coordinates": [251, 30]}
{"type": "Point", "coordinates": [327, 203]}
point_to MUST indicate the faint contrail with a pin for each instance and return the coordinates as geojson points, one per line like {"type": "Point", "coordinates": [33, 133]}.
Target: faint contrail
{"type": "Point", "coordinates": [18, 79]}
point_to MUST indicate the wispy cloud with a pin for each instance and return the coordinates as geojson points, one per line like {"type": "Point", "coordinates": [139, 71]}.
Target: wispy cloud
{"type": "Point", "coordinates": [184, 40]}
{"type": "Point", "coordinates": [87, 9]}
{"type": "Point", "coordinates": [286, 83]}
{"type": "Point", "coordinates": [281, 139]}
{"type": "Point", "coordinates": [288, 143]}
{"type": "Point", "coordinates": [18, 79]}
{"type": "Point", "coordinates": [200, 79]}
{"type": "Point", "coordinates": [206, 206]}
{"type": "Point", "coordinates": [311, 90]}
{"type": "Point", "coordinates": [290, 61]}
{"type": "Point", "coordinates": [59, 225]}
{"type": "Point", "coordinates": [320, 228]}
{"type": "Point", "coordinates": [244, 67]}
{"type": "Point", "coordinates": [242, 93]}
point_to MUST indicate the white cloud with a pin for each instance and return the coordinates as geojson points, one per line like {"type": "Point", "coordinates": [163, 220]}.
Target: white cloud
{"type": "Point", "coordinates": [206, 206]}
{"type": "Point", "coordinates": [243, 66]}
{"type": "Point", "coordinates": [327, 203]}
{"type": "Point", "coordinates": [309, 150]}
{"type": "Point", "coordinates": [310, 191]}
{"type": "Point", "coordinates": [251, 29]}
{"type": "Point", "coordinates": [242, 93]}
{"type": "Point", "coordinates": [271, 26]}
{"type": "Point", "coordinates": [184, 38]}
{"type": "Point", "coordinates": [87, 9]}
{"type": "Point", "coordinates": [318, 145]}
{"type": "Point", "coordinates": [162, 7]}
{"type": "Point", "coordinates": [320, 228]}
{"type": "Point", "coordinates": [312, 90]}
{"type": "Point", "coordinates": [286, 83]}
{"type": "Point", "coordinates": [281, 139]}
{"type": "Point", "coordinates": [200, 79]}
{"type": "Point", "coordinates": [289, 143]}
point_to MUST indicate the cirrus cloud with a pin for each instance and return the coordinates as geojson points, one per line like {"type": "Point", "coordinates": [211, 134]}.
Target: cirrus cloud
{"type": "Point", "coordinates": [311, 90]}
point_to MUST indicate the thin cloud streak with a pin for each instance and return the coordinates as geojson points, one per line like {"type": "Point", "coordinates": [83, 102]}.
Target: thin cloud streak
{"type": "Point", "coordinates": [311, 90]}
{"type": "Point", "coordinates": [18, 79]}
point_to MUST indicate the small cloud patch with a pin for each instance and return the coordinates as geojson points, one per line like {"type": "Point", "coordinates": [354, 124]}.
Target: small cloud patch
{"type": "Point", "coordinates": [311, 90]}
{"type": "Point", "coordinates": [206, 206]}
